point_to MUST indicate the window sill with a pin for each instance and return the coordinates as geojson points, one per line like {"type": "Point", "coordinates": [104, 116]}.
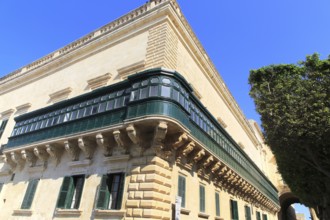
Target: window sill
{"type": "Point", "coordinates": [67, 212]}
{"type": "Point", "coordinates": [25, 212]}
{"type": "Point", "coordinates": [84, 163]}
{"type": "Point", "coordinates": [203, 215]}
{"type": "Point", "coordinates": [185, 211]}
{"type": "Point", "coordinates": [218, 218]}
{"type": "Point", "coordinates": [104, 212]}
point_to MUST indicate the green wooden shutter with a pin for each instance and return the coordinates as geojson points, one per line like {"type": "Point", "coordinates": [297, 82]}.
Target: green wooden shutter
{"type": "Point", "coordinates": [79, 185]}
{"type": "Point", "coordinates": [217, 204]}
{"type": "Point", "coordinates": [247, 213]}
{"type": "Point", "coordinates": [103, 194]}
{"type": "Point", "coordinates": [258, 216]}
{"type": "Point", "coordinates": [264, 217]}
{"type": "Point", "coordinates": [234, 210]}
{"type": "Point", "coordinates": [29, 194]}
{"type": "Point", "coordinates": [67, 187]}
{"type": "Point", "coordinates": [201, 198]}
{"type": "Point", "coordinates": [182, 190]}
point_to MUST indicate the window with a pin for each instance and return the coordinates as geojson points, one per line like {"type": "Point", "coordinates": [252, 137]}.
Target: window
{"type": "Point", "coordinates": [29, 194]}
{"type": "Point", "coordinates": [165, 91]}
{"type": "Point", "coordinates": [182, 190]}
{"type": "Point", "coordinates": [233, 210]}
{"type": "Point", "coordinates": [258, 216]}
{"type": "Point", "coordinates": [217, 204]}
{"type": "Point", "coordinates": [71, 191]}
{"type": "Point", "coordinates": [247, 213]}
{"type": "Point", "coordinates": [3, 126]}
{"type": "Point", "coordinates": [110, 191]}
{"type": "Point", "coordinates": [201, 198]}
{"type": "Point", "coordinates": [264, 217]}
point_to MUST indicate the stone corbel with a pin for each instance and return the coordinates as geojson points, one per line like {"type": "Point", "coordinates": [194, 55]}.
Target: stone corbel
{"type": "Point", "coordinates": [208, 162]}
{"type": "Point", "coordinates": [183, 138]}
{"type": "Point", "coordinates": [119, 140]}
{"type": "Point", "coordinates": [29, 157]}
{"type": "Point", "coordinates": [72, 149]}
{"type": "Point", "coordinates": [159, 135]}
{"type": "Point", "coordinates": [239, 182]}
{"type": "Point", "coordinates": [87, 147]}
{"type": "Point", "coordinates": [158, 140]}
{"type": "Point", "coordinates": [183, 152]}
{"type": "Point", "coordinates": [230, 177]}
{"type": "Point", "coordinates": [216, 167]}
{"type": "Point", "coordinates": [17, 158]}
{"type": "Point", "coordinates": [188, 148]}
{"type": "Point", "coordinates": [54, 152]}
{"type": "Point", "coordinates": [41, 153]}
{"type": "Point", "coordinates": [223, 170]}
{"type": "Point", "coordinates": [103, 143]}
{"type": "Point", "coordinates": [199, 155]}
{"type": "Point", "coordinates": [10, 162]}
{"type": "Point", "coordinates": [228, 174]}
{"type": "Point", "coordinates": [131, 132]}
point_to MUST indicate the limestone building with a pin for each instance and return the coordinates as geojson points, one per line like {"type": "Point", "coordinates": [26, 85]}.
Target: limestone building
{"type": "Point", "coordinates": [119, 123]}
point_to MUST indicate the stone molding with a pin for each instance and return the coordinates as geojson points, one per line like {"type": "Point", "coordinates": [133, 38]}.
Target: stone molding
{"type": "Point", "coordinates": [6, 114]}
{"type": "Point", "coordinates": [99, 81]}
{"type": "Point", "coordinates": [130, 69]}
{"type": "Point", "coordinates": [23, 108]}
{"type": "Point", "coordinates": [60, 95]}
{"type": "Point", "coordinates": [22, 212]}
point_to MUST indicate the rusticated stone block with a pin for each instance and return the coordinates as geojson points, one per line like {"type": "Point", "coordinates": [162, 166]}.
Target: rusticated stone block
{"type": "Point", "coordinates": [133, 203]}
{"type": "Point", "coordinates": [138, 195]}
{"type": "Point", "coordinates": [133, 186]}
{"type": "Point", "coordinates": [137, 212]}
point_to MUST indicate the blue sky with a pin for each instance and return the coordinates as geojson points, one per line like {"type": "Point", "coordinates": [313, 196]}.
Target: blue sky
{"type": "Point", "coordinates": [238, 35]}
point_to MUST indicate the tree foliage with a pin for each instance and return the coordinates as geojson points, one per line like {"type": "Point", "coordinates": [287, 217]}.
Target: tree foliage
{"type": "Point", "coordinates": [294, 104]}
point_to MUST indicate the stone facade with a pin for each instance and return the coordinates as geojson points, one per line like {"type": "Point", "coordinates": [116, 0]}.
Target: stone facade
{"type": "Point", "coordinates": [149, 157]}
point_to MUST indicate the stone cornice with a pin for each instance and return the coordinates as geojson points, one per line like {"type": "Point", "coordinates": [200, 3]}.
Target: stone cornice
{"type": "Point", "coordinates": [60, 95]}
{"type": "Point", "coordinates": [99, 81]}
{"type": "Point", "coordinates": [7, 113]}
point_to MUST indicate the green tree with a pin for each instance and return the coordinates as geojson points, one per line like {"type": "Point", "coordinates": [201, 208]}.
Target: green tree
{"type": "Point", "coordinates": [294, 104]}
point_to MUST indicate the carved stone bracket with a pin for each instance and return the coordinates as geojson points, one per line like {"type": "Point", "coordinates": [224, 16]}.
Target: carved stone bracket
{"type": "Point", "coordinates": [72, 150]}
{"type": "Point", "coordinates": [159, 135]}
{"type": "Point", "coordinates": [103, 143]}
{"type": "Point", "coordinates": [188, 148]}
{"type": "Point", "coordinates": [54, 152]}
{"type": "Point", "coordinates": [208, 162]}
{"type": "Point", "coordinates": [17, 158]}
{"type": "Point", "coordinates": [216, 167]}
{"type": "Point", "coordinates": [119, 140]}
{"type": "Point", "coordinates": [9, 161]}
{"type": "Point", "coordinates": [41, 153]}
{"type": "Point", "coordinates": [158, 141]}
{"type": "Point", "coordinates": [29, 156]}
{"type": "Point", "coordinates": [131, 132]}
{"type": "Point", "coordinates": [199, 155]}
{"type": "Point", "coordinates": [182, 139]}
{"type": "Point", "coordinates": [87, 147]}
